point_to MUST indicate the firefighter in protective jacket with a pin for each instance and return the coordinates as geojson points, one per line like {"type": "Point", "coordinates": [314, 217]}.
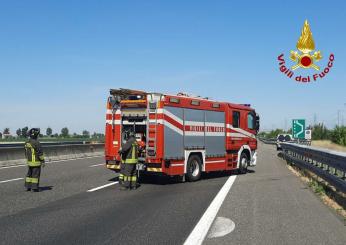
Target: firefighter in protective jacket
{"type": "Point", "coordinates": [35, 159]}
{"type": "Point", "coordinates": [129, 160]}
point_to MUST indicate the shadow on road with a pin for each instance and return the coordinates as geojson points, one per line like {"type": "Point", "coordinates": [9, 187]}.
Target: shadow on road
{"type": "Point", "coordinates": [46, 188]}
{"type": "Point", "coordinates": [251, 171]}
{"type": "Point", "coordinates": [166, 180]}
{"type": "Point", "coordinates": [114, 179]}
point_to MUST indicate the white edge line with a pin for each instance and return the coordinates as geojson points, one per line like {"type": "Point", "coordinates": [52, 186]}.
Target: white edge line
{"type": "Point", "coordinates": [9, 180]}
{"type": "Point", "coordinates": [103, 186]}
{"type": "Point", "coordinates": [23, 165]}
{"type": "Point", "coordinates": [96, 165]}
{"type": "Point", "coordinates": [200, 231]}
{"type": "Point", "coordinates": [16, 166]}
{"type": "Point", "coordinates": [74, 159]}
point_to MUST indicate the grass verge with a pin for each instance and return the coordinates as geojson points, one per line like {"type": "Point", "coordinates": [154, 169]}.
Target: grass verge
{"type": "Point", "coordinates": [327, 144]}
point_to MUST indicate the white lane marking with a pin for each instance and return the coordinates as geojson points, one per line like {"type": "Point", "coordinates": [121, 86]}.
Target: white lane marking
{"type": "Point", "coordinates": [103, 186]}
{"type": "Point", "coordinates": [74, 159]}
{"type": "Point", "coordinates": [23, 165]}
{"type": "Point", "coordinates": [9, 180]}
{"type": "Point", "coordinates": [221, 227]}
{"type": "Point", "coordinates": [16, 166]}
{"type": "Point", "coordinates": [201, 229]}
{"type": "Point", "coordinates": [96, 165]}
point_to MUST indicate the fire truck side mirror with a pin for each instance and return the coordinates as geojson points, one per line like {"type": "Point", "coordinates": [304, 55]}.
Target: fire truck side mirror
{"type": "Point", "coordinates": [114, 100]}
{"type": "Point", "coordinates": [257, 122]}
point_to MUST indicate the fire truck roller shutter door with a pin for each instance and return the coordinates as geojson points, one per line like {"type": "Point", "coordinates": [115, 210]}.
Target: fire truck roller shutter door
{"type": "Point", "coordinates": [173, 133]}
{"type": "Point", "coordinates": [215, 133]}
{"type": "Point", "coordinates": [194, 128]}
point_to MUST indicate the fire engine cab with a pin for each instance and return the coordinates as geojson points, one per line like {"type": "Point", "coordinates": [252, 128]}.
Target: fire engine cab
{"type": "Point", "coordinates": [181, 135]}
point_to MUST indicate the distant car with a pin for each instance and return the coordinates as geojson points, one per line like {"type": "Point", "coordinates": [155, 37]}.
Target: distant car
{"type": "Point", "coordinates": [282, 138]}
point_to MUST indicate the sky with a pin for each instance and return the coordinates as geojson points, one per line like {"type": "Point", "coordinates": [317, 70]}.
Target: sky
{"type": "Point", "coordinates": [58, 59]}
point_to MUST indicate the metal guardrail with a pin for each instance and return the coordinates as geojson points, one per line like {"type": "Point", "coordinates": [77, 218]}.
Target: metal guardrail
{"type": "Point", "coordinates": [21, 144]}
{"type": "Point", "coordinates": [268, 141]}
{"type": "Point", "coordinates": [273, 141]}
{"type": "Point", "coordinates": [326, 164]}
{"type": "Point", "coordinates": [15, 155]}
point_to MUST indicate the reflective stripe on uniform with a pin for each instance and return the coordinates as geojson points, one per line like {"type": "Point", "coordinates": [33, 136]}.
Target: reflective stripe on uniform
{"type": "Point", "coordinates": [130, 178]}
{"type": "Point", "coordinates": [134, 157]}
{"type": "Point", "coordinates": [131, 161]}
{"type": "Point", "coordinates": [33, 157]}
{"type": "Point", "coordinates": [34, 164]}
{"type": "Point", "coordinates": [121, 176]}
{"type": "Point", "coordinates": [28, 179]}
{"type": "Point", "coordinates": [133, 151]}
{"type": "Point", "coordinates": [34, 180]}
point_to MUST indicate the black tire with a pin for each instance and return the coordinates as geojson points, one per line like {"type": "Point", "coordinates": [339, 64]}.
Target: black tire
{"type": "Point", "coordinates": [243, 163]}
{"type": "Point", "coordinates": [194, 168]}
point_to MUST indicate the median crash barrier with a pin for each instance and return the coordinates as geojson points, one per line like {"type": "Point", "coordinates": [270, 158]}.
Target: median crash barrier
{"type": "Point", "coordinates": [326, 164]}
{"type": "Point", "coordinates": [267, 141]}
{"type": "Point", "coordinates": [11, 156]}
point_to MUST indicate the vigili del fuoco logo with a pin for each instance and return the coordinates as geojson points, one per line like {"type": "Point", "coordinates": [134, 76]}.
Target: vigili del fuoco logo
{"type": "Point", "coordinates": [305, 57]}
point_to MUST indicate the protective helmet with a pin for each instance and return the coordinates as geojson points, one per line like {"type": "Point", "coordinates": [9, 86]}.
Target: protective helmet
{"type": "Point", "coordinates": [33, 133]}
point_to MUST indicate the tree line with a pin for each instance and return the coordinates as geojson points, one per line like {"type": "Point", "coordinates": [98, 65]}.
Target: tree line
{"type": "Point", "coordinates": [64, 133]}
{"type": "Point", "coordinates": [319, 132]}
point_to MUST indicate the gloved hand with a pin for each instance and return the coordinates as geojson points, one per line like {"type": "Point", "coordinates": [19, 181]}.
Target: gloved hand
{"type": "Point", "coordinates": [120, 150]}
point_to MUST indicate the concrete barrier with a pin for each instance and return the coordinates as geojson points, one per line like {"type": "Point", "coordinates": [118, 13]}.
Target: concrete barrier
{"type": "Point", "coordinates": [11, 156]}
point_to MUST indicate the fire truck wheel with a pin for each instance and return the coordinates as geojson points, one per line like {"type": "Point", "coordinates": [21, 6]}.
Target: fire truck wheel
{"type": "Point", "coordinates": [243, 163]}
{"type": "Point", "coordinates": [193, 168]}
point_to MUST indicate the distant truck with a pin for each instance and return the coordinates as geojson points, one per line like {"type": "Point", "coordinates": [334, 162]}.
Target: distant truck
{"type": "Point", "coordinates": [282, 138]}
{"type": "Point", "coordinates": [184, 135]}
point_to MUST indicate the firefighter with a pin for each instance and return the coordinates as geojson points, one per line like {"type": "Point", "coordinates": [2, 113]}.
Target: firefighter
{"type": "Point", "coordinates": [35, 159]}
{"type": "Point", "coordinates": [129, 160]}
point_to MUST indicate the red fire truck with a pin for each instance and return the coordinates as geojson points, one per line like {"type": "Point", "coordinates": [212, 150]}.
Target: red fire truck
{"type": "Point", "coordinates": [183, 135]}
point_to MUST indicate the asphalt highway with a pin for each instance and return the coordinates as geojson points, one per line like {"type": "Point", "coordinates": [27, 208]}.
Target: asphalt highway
{"type": "Point", "coordinates": [80, 203]}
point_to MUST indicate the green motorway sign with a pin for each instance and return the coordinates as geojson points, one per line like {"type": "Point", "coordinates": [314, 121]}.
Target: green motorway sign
{"type": "Point", "coordinates": [298, 128]}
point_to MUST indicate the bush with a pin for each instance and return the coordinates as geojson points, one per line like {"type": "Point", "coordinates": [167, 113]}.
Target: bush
{"type": "Point", "coordinates": [320, 132]}
{"type": "Point", "coordinates": [275, 133]}
{"type": "Point", "coordinates": [338, 135]}
{"type": "Point", "coordinates": [272, 134]}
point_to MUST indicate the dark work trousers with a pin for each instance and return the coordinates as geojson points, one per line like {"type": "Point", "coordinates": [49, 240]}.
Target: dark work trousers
{"type": "Point", "coordinates": [32, 180]}
{"type": "Point", "coordinates": [128, 175]}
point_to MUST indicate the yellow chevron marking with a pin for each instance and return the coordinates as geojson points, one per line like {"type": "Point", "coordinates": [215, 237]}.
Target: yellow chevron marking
{"type": "Point", "coordinates": [154, 169]}
{"type": "Point", "coordinates": [113, 166]}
